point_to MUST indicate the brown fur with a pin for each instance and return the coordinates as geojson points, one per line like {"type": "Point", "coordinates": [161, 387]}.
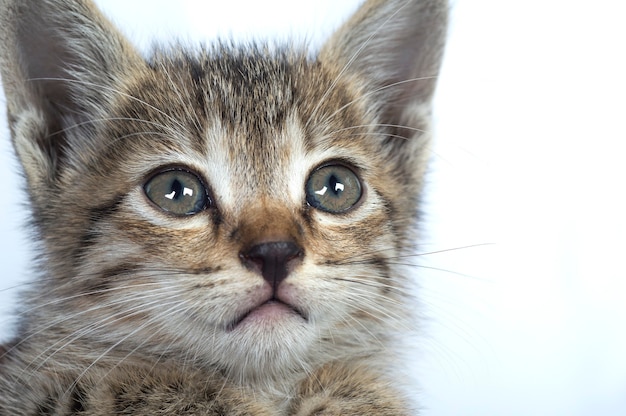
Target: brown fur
{"type": "Point", "coordinates": [135, 310]}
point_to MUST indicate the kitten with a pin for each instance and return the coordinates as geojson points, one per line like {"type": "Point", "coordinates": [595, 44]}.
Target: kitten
{"type": "Point", "coordinates": [220, 230]}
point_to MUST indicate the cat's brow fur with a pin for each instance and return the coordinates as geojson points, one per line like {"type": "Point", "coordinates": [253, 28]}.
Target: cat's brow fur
{"type": "Point", "coordinates": [134, 310]}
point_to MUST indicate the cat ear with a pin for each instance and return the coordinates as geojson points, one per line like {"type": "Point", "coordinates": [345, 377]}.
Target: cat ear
{"type": "Point", "coordinates": [396, 47]}
{"type": "Point", "coordinates": [60, 63]}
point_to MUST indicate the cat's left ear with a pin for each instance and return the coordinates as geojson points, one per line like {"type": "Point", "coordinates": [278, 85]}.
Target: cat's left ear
{"type": "Point", "coordinates": [396, 47]}
{"type": "Point", "coordinates": [61, 62]}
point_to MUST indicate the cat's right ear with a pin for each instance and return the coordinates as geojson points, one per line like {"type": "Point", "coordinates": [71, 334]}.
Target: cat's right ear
{"type": "Point", "coordinates": [396, 48]}
{"type": "Point", "coordinates": [61, 61]}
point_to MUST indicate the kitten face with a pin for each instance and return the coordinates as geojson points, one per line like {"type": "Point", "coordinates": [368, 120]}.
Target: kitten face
{"type": "Point", "coordinates": [238, 209]}
{"type": "Point", "coordinates": [185, 277]}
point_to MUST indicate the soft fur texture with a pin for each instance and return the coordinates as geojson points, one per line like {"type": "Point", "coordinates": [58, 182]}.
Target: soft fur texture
{"type": "Point", "coordinates": [139, 311]}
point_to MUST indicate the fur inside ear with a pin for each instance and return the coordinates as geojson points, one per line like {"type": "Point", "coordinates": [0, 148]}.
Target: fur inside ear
{"type": "Point", "coordinates": [60, 62]}
{"type": "Point", "coordinates": [396, 46]}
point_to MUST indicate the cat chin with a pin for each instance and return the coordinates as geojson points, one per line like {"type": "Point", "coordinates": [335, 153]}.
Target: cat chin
{"type": "Point", "coordinates": [272, 342]}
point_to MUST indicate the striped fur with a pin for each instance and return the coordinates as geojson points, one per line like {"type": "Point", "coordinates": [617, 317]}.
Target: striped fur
{"type": "Point", "coordinates": [137, 311]}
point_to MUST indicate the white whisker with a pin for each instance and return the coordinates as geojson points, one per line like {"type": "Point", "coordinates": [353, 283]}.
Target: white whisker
{"type": "Point", "coordinates": [116, 92]}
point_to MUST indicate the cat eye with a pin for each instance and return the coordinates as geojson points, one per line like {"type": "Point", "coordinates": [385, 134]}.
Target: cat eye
{"type": "Point", "coordinates": [177, 191]}
{"type": "Point", "coordinates": [333, 188]}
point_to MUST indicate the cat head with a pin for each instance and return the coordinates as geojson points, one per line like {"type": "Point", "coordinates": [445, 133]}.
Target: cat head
{"type": "Point", "coordinates": [241, 207]}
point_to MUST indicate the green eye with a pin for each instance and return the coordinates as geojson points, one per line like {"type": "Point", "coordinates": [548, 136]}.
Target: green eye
{"type": "Point", "coordinates": [177, 191]}
{"type": "Point", "coordinates": [333, 188]}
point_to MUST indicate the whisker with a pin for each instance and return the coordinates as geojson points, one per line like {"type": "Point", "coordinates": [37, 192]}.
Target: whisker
{"type": "Point", "coordinates": [107, 119]}
{"type": "Point", "coordinates": [365, 257]}
{"type": "Point", "coordinates": [115, 91]}
{"type": "Point", "coordinates": [56, 322]}
{"type": "Point", "coordinates": [84, 294]}
{"type": "Point", "coordinates": [357, 302]}
{"type": "Point", "coordinates": [358, 126]}
{"type": "Point", "coordinates": [116, 344]}
{"type": "Point", "coordinates": [141, 344]}
{"type": "Point", "coordinates": [445, 250]}
{"type": "Point", "coordinates": [368, 281]}
{"type": "Point", "coordinates": [106, 321]}
{"type": "Point", "coordinates": [448, 271]}
{"type": "Point", "coordinates": [139, 133]}
{"type": "Point", "coordinates": [361, 134]}
{"type": "Point", "coordinates": [363, 298]}
{"type": "Point", "coordinates": [159, 272]}
{"type": "Point", "coordinates": [377, 91]}
{"type": "Point", "coordinates": [191, 115]}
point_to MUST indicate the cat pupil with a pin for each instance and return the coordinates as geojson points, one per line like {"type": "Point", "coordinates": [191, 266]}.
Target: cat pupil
{"type": "Point", "coordinates": [176, 190]}
{"type": "Point", "coordinates": [336, 186]}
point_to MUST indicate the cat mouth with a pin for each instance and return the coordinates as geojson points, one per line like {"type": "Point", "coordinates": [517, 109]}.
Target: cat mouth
{"type": "Point", "coordinates": [270, 312]}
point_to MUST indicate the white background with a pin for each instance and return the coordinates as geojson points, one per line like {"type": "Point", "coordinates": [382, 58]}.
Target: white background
{"type": "Point", "coordinates": [530, 158]}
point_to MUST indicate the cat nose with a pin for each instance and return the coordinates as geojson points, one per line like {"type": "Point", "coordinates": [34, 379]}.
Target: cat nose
{"type": "Point", "coordinates": [273, 260]}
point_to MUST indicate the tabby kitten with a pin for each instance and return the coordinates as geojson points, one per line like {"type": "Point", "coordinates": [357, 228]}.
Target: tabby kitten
{"type": "Point", "coordinates": [220, 230]}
